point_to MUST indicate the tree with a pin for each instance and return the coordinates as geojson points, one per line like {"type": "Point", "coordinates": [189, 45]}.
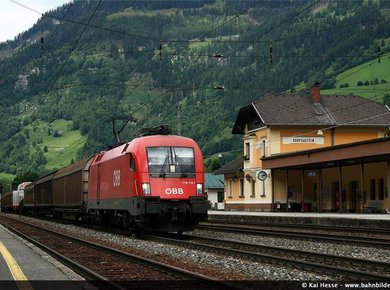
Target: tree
{"type": "Point", "coordinates": [56, 134]}
{"type": "Point", "coordinates": [386, 99]}
{"type": "Point", "coordinates": [23, 177]}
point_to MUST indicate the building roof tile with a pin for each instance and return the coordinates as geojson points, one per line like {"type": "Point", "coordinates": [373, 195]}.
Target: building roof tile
{"type": "Point", "coordinates": [233, 167]}
{"type": "Point", "coordinates": [298, 109]}
{"type": "Point", "coordinates": [213, 181]}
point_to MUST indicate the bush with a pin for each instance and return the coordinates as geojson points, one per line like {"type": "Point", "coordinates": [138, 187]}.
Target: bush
{"type": "Point", "coordinates": [56, 134]}
{"type": "Point", "coordinates": [359, 83]}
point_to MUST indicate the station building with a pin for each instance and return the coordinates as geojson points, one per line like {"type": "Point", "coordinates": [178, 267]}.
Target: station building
{"type": "Point", "coordinates": [282, 133]}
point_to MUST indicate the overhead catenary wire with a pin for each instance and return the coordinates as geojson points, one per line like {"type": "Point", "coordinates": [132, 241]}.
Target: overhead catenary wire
{"type": "Point", "coordinates": [73, 48]}
{"type": "Point", "coordinates": [263, 34]}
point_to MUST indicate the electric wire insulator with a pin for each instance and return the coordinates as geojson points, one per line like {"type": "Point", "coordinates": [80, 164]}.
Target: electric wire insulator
{"type": "Point", "coordinates": [42, 44]}
{"type": "Point", "coordinates": [160, 47]}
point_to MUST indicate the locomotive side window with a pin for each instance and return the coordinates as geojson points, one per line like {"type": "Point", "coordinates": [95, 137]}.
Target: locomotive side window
{"type": "Point", "coordinates": [171, 161]}
{"type": "Point", "coordinates": [132, 163]}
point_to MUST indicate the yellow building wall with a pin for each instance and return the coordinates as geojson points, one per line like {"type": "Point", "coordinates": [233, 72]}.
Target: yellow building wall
{"type": "Point", "coordinates": [275, 145]}
{"type": "Point", "coordinates": [305, 146]}
{"type": "Point", "coordinates": [232, 184]}
{"type": "Point", "coordinates": [344, 136]}
{"type": "Point", "coordinates": [280, 188]}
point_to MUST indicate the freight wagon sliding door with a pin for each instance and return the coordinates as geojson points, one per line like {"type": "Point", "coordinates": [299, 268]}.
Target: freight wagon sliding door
{"type": "Point", "coordinates": [98, 184]}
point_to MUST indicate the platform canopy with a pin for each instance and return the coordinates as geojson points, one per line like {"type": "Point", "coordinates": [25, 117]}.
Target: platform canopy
{"type": "Point", "coordinates": [375, 150]}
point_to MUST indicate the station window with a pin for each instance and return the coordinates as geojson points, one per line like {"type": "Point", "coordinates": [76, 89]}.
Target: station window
{"type": "Point", "coordinates": [253, 188]}
{"type": "Point", "coordinates": [241, 187]}
{"type": "Point", "coordinates": [263, 147]}
{"type": "Point", "coordinates": [230, 194]}
{"type": "Point", "coordinates": [247, 151]}
{"type": "Point", "coordinates": [372, 189]}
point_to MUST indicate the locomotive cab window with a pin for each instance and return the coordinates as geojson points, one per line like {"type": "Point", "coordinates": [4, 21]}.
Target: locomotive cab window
{"type": "Point", "coordinates": [171, 161]}
{"type": "Point", "coordinates": [132, 163]}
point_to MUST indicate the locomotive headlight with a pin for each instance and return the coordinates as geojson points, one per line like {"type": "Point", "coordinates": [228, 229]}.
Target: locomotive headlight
{"type": "Point", "coordinates": [199, 188]}
{"type": "Point", "coordinates": [146, 188]}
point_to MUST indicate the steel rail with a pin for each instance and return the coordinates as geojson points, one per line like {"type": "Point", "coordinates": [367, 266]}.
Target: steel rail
{"type": "Point", "coordinates": [203, 279]}
{"type": "Point", "coordinates": [385, 243]}
{"type": "Point", "coordinates": [272, 258]}
{"type": "Point", "coordinates": [301, 226]}
{"type": "Point", "coordinates": [86, 273]}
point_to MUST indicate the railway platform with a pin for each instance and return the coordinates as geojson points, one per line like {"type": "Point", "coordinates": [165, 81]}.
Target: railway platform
{"type": "Point", "coordinates": [304, 218]}
{"type": "Point", "coordinates": [25, 267]}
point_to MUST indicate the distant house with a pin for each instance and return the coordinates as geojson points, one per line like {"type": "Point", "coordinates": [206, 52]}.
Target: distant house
{"type": "Point", "coordinates": [279, 124]}
{"type": "Point", "coordinates": [215, 188]}
{"type": "Point", "coordinates": [233, 176]}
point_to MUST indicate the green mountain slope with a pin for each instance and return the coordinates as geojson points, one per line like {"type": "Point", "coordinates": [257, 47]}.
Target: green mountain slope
{"type": "Point", "coordinates": [189, 64]}
{"type": "Point", "coordinates": [370, 80]}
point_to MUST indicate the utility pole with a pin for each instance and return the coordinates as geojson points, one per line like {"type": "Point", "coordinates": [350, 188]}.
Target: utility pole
{"type": "Point", "coordinates": [178, 119]}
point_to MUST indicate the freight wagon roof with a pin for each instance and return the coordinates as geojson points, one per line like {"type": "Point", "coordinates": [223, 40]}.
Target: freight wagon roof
{"type": "Point", "coordinates": [77, 166]}
{"type": "Point", "coordinates": [45, 178]}
{"type": "Point", "coordinates": [30, 185]}
{"type": "Point", "coordinates": [5, 194]}
{"type": "Point", "coordinates": [23, 185]}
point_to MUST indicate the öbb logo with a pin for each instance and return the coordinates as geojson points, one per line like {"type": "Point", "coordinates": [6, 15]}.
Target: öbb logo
{"type": "Point", "coordinates": [173, 190]}
{"type": "Point", "coordinates": [116, 178]}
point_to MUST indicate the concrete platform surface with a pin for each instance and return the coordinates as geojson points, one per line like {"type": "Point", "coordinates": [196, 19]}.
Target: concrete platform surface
{"type": "Point", "coordinates": [332, 219]}
{"type": "Point", "coordinates": [32, 268]}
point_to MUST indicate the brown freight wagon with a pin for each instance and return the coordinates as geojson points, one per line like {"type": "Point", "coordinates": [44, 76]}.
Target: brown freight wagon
{"type": "Point", "coordinates": [6, 202]}
{"type": "Point", "coordinates": [70, 189]}
{"type": "Point", "coordinates": [28, 206]}
{"type": "Point", "coordinates": [43, 194]}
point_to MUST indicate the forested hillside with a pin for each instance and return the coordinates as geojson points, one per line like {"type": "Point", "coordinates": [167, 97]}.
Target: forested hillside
{"type": "Point", "coordinates": [189, 64]}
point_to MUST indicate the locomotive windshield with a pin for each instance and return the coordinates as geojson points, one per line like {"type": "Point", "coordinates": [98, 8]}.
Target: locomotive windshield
{"type": "Point", "coordinates": [171, 161]}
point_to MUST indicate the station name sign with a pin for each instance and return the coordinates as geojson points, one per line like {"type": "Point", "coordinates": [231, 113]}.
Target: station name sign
{"type": "Point", "coordinates": [303, 140]}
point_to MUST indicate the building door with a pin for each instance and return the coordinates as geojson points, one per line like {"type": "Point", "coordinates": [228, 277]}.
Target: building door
{"type": "Point", "coordinates": [354, 196]}
{"type": "Point", "coordinates": [220, 199]}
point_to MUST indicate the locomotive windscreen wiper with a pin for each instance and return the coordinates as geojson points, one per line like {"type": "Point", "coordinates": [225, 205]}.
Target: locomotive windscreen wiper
{"type": "Point", "coordinates": [162, 172]}
{"type": "Point", "coordinates": [183, 174]}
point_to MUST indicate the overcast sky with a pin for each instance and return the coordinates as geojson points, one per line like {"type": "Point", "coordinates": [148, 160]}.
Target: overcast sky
{"type": "Point", "coordinates": [15, 19]}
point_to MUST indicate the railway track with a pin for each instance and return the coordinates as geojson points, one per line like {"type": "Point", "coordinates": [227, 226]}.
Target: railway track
{"type": "Point", "coordinates": [328, 235]}
{"type": "Point", "coordinates": [338, 266]}
{"type": "Point", "coordinates": [108, 267]}
{"type": "Point", "coordinates": [289, 226]}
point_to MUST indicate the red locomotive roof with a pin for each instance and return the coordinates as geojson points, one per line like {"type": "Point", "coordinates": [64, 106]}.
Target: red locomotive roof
{"type": "Point", "coordinates": [137, 148]}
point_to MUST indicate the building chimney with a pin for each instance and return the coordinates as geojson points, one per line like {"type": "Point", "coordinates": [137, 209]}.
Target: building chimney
{"type": "Point", "coordinates": [315, 93]}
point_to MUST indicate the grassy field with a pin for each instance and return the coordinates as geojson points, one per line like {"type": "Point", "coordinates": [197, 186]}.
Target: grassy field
{"type": "Point", "coordinates": [61, 150]}
{"type": "Point", "coordinates": [366, 72]}
{"type": "Point", "coordinates": [60, 142]}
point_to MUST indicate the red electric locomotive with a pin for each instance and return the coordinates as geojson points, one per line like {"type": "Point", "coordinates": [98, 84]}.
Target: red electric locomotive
{"type": "Point", "coordinates": [154, 183]}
